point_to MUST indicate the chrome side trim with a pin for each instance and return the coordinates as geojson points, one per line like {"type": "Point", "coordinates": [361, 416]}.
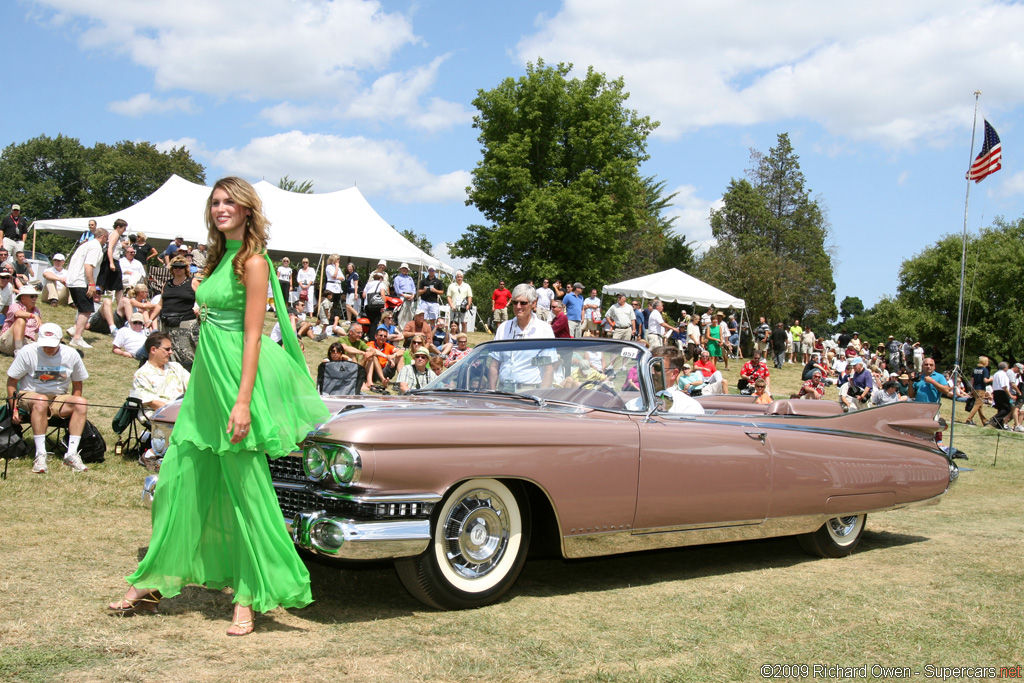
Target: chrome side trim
{"type": "Point", "coordinates": [394, 498]}
{"type": "Point", "coordinates": [365, 540]}
{"type": "Point", "coordinates": [612, 543]}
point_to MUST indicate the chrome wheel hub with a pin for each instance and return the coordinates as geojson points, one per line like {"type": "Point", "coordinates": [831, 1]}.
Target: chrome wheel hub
{"type": "Point", "coordinates": [476, 533]}
{"type": "Point", "coordinates": [841, 527]}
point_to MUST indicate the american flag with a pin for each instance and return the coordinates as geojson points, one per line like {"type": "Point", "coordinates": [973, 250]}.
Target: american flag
{"type": "Point", "coordinates": [990, 159]}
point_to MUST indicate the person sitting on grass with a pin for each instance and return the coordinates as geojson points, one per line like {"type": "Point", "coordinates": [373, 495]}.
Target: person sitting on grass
{"type": "Point", "coordinates": [22, 322]}
{"type": "Point", "coordinates": [385, 361]}
{"type": "Point", "coordinates": [417, 375]}
{"type": "Point", "coordinates": [45, 380]}
{"type": "Point", "coordinates": [814, 388]}
{"type": "Point", "coordinates": [457, 352]}
{"type": "Point", "coordinates": [159, 380]}
{"type": "Point", "coordinates": [136, 300]}
{"type": "Point", "coordinates": [130, 340]}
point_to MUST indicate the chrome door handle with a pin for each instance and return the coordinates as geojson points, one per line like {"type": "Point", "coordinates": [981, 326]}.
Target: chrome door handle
{"type": "Point", "coordinates": [760, 436]}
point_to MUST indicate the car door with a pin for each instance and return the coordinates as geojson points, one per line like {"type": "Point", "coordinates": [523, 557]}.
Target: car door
{"type": "Point", "coordinates": [702, 471]}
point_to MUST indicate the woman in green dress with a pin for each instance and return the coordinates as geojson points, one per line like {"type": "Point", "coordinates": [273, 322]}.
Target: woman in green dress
{"type": "Point", "coordinates": [216, 519]}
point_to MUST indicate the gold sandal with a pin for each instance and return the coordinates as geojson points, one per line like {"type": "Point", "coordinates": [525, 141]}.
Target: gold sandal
{"type": "Point", "coordinates": [247, 627]}
{"type": "Point", "coordinates": [144, 604]}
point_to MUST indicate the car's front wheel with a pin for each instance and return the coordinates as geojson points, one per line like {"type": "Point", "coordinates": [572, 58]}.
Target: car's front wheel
{"type": "Point", "coordinates": [479, 540]}
{"type": "Point", "coordinates": [837, 537]}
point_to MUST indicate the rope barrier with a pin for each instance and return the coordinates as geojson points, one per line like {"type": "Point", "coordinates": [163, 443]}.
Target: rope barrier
{"type": "Point", "coordinates": [20, 397]}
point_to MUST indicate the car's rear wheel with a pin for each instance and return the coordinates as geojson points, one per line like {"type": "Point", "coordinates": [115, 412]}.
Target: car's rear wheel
{"type": "Point", "coordinates": [837, 537]}
{"type": "Point", "coordinates": [479, 539]}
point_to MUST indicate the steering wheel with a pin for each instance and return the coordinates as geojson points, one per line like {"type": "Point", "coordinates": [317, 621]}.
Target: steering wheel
{"type": "Point", "coordinates": [601, 386]}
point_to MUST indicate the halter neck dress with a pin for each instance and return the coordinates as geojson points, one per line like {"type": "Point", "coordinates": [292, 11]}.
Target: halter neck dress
{"type": "Point", "coordinates": [216, 518]}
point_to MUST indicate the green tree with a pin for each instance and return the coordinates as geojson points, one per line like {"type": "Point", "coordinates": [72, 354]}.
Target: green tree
{"type": "Point", "coordinates": [419, 239]}
{"type": "Point", "coordinates": [304, 187]}
{"type": "Point", "coordinates": [126, 172]}
{"type": "Point", "coordinates": [770, 219]}
{"type": "Point", "coordinates": [559, 180]}
{"type": "Point", "coordinates": [59, 178]}
{"type": "Point", "coordinates": [850, 306]}
{"type": "Point", "coordinates": [929, 288]}
{"type": "Point", "coordinates": [654, 245]}
{"type": "Point", "coordinates": [47, 176]}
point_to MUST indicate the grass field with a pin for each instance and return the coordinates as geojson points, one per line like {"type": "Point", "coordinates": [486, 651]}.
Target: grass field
{"type": "Point", "coordinates": [938, 586]}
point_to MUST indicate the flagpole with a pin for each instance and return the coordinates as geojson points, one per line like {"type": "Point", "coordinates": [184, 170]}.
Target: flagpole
{"type": "Point", "coordinates": [963, 276]}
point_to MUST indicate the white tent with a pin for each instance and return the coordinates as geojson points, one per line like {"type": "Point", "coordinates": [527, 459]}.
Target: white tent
{"type": "Point", "coordinates": [341, 222]}
{"type": "Point", "coordinates": [675, 285]}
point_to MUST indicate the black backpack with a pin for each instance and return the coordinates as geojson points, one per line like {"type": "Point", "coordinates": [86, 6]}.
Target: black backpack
{"type": "Point", "coordinates": [92, 447]}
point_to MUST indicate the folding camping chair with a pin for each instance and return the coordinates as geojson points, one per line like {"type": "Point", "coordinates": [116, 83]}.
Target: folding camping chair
{"type": "Point", "coordinates": [132, 428]}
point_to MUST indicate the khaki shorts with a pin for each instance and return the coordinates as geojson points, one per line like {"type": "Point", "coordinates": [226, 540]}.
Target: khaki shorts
{"type": "Point", "coordinates": [28, 399]}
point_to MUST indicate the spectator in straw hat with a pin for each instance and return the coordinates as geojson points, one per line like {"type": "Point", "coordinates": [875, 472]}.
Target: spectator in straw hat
{"type": "Point", "coordinates": [22, 322]}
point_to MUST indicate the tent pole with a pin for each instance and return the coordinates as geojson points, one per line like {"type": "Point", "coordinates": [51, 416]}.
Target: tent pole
{"type": "Point", "coordinates": [34, 232]}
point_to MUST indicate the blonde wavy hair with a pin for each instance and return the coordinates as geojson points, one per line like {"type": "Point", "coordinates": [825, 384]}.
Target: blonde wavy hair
{"type": "Point", "coordinates": [257, 227]}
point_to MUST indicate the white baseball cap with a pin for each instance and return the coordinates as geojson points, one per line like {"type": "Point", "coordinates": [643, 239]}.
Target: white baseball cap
{"type": "Point", "coordinates": [50, 335]}
{"type": "Point", "coordinates": [59, 257]}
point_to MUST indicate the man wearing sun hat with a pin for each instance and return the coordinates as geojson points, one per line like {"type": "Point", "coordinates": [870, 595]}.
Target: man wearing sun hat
{"type": "Point", "coordinates": [38, 382]}
{"type": "Point", "coordinates": [405, 288]}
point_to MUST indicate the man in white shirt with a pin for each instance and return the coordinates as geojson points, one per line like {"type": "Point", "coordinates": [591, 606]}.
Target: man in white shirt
{"type": "Point", "coordinates": [82, 273]}
{"type": "Point", "coordinates": [130, 340]}
{"type": "Point", "coordinates": [160, 380]}
{"type": "Point", "coordinates": [132, 270]}
{"type": "Point", "coordinates": [1002, 396]}
{"type": "Point", "coordinates": [682, 404]}
{"type": "Point", "coordinates": [460, 299]}
{"type": "Point", "coordinates": [621, 317]}
{"type": "Point", "coordinates": [45, 380]}
{"type": "Point", "coordinates": [55, 279]}
{"type": "Point", "coordinates": [545, 295]}
{"type": "Point", "coordinates": [656, 327]}
{"type": "Point", "coordinates": [528, 369]}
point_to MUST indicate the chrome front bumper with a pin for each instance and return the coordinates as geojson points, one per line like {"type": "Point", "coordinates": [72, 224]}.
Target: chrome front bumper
{"type": "Point", "coordinates": [350, 539]}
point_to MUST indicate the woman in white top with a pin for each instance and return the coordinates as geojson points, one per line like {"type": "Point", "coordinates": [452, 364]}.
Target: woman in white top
{"type": "Point", "coordinates": [304, 280]}
{"type": "Point", "coordinates": [333, 276]}
{"type": "Point", "coordinates": [284, 276]}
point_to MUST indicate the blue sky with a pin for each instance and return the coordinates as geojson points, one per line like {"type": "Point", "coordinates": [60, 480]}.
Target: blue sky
{"type": "Point", "coordinates": [877, 98]}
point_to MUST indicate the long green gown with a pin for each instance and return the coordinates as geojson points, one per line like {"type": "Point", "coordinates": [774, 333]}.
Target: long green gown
{"type": "Point", "coordinates": [216, 519]}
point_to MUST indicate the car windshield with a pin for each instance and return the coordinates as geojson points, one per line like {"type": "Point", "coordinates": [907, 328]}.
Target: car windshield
{"type": "Point", "coordinates": [596, 373]}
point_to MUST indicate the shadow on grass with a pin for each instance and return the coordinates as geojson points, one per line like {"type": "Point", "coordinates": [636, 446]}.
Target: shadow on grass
{"type": "Point", "coordinates": [353, 593]}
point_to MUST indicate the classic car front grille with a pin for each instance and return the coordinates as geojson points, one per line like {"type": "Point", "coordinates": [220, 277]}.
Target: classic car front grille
{"type": "Point", "coordinates": [294, 501]}
{"type": "Point", "coordinates": [288, 468]}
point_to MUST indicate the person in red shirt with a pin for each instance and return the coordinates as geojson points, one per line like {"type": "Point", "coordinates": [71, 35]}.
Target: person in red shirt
{"type": "Point", "coordinates": [500, 299]}
{"type": "Point", "coordinates": [560, 321]}
{"type": "Point", "coordinates": [714, 382]}
{"type": "Point", "coordinates": [385, 361]}
{"type": "Point", "coordinates": [753, 370]}
{"type": "Point", "coordinates": [813, 388]}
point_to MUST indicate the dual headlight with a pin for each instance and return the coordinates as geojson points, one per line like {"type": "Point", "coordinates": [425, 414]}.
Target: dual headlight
{"type": "Point", "coordinates": [342, 463]}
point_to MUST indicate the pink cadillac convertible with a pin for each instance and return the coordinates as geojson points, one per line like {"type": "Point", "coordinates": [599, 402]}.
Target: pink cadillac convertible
{"type": "Point", "coordinates": [574, 443]}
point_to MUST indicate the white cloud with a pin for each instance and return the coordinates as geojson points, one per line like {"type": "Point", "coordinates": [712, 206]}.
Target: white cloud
{"type": "Point", "coordinates": [1011, 186]}
{"type": "Point", "coordinates": [310, 55]}
{"type": "Point", "coordinates": [377, 167]}
{"type": "Point", "coordinates": [194, 147]}
{"type": "Point", "coordinates": [889, 72]}
{"type": "Point", "coordinates": [693, 216]}
{"type": "Point", "coordinates": [393, 96]}
{"type": "Point", "coordinates": [144, 103]}
{"type": "Point", "coordinates": [442, 253]}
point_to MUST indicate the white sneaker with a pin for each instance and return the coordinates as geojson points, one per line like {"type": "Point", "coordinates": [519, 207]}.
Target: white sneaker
{"type": "Point", "coordinates": [71, 331]}
{"type": "Point", "coordinates": [1019, 428]}
{"type": "Point", "coordinates": [74, 461]}
{"type": "Point", "coordinates": [80, 343]}
{"type": "Point", "coordinates": [39, 465]}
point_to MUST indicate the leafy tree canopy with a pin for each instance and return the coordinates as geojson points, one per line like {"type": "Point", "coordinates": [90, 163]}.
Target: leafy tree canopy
{"type": "Point", "coordinates": [303, 187]}
{"type": "Point", "coordinates": [851, 306]}
{"type": "Point", "coordinates": [419, 239]}
{"type": "Point", "coordinates": [771, 238]}
{"type": "Point", "coordinates": [929, 288]}
{"type": "Point", "coordinates": [60, 178]}
{"type": "Point", "coordinates": [559, 180]}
